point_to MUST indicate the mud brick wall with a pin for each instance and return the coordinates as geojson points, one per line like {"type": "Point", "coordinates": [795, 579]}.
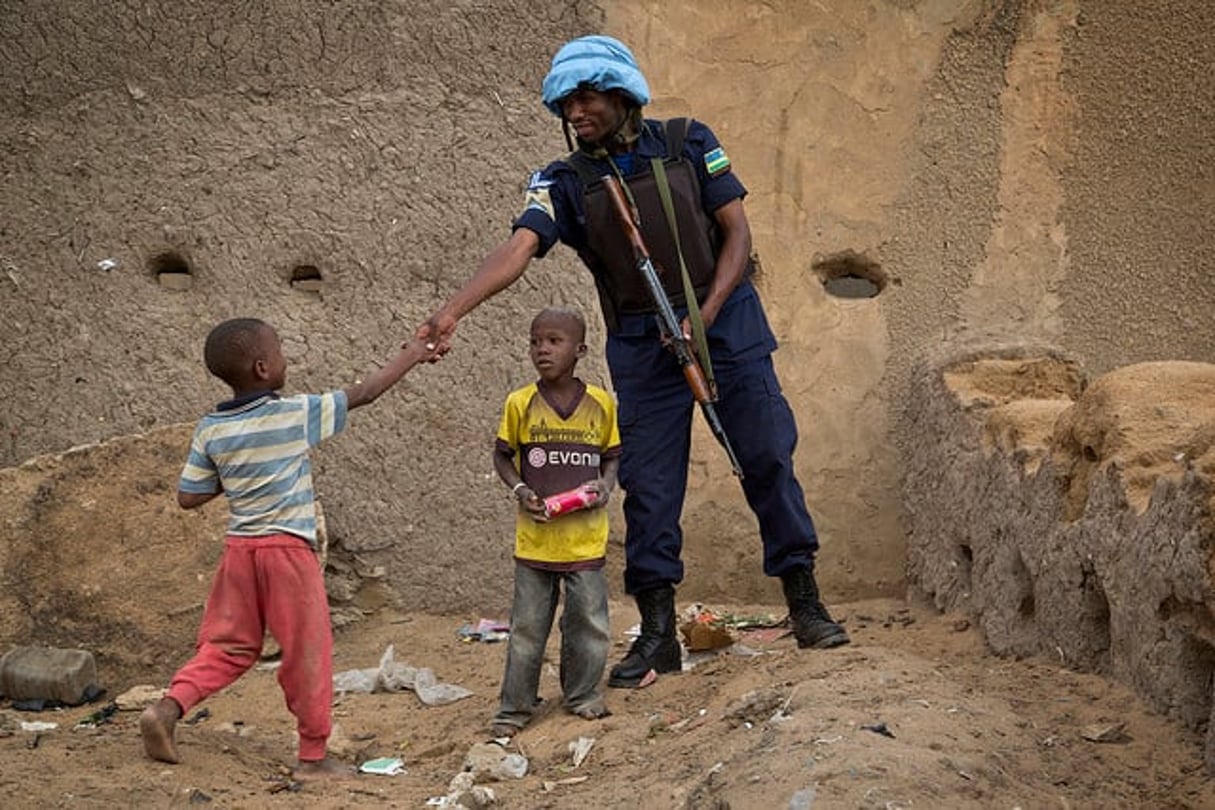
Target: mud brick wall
{"type": "Point", "coordinates": [1072, 520]}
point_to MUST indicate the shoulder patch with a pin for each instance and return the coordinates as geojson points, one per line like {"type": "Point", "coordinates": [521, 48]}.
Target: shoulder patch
{"type": "Point", "coordinates": [539, 199]}
{"type": "Point", "coordinates": [537, 181]}
{"type": "Point", "coordinates": [717, 162]}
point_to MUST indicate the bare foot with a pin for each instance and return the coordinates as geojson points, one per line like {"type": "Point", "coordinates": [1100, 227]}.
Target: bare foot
{"type": "Point", "coordinates": [320, 769]}
{"type": "Point", "coordinates": [156, 726]}
{"type": "Point", "coordinates": [597, 712]}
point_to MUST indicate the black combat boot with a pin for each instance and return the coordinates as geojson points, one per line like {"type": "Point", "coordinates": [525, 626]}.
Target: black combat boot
{"type": "Point", "coordinates": [812, 625]}
{"type": "Point", "coordinates": [656, 649]}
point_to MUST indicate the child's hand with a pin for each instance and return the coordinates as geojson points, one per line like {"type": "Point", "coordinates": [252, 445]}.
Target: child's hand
{"type": "Point", "coordinates": [532, 503]}
{"type": "Point", "coordinates": [435, 335]}
{"type": "Point", "coordinates": [419, 352]}
{"type": "Point", "coordinates": [602, 490]}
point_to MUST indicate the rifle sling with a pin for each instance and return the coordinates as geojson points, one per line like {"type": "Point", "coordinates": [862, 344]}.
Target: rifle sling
{"type": "Point", "coordinates": [689, 292]}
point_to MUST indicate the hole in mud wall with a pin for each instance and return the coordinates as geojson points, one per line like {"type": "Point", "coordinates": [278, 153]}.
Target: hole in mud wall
{"type": "Point", "coordinates": [1025, 585]}
{"type": "Point", "coordinates": [1096, 618]}
{"type": "Point", "coordinates": [307, 277]}
{"type": "Point", "coordinates": [172, 271]}
{"type": "Point", "coordinates": [849, 274]}
{"type": "Point", "coordinates": [963, 560]}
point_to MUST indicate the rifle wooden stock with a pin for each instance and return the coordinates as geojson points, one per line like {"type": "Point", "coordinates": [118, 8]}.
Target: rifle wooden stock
{"type": "Point", "coordinates": [668, 322]}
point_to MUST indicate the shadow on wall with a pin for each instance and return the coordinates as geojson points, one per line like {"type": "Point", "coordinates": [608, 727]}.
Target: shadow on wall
{"type": "Point", "coordinates": [1072, 520]}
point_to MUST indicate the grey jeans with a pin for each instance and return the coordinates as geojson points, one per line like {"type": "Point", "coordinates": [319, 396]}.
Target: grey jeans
{"type": "Point", "coordinates": [585, 639]}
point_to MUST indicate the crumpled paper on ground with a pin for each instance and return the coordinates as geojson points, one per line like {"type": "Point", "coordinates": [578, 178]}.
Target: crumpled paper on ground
{"type": "Point", "coordinates": [393, 676]}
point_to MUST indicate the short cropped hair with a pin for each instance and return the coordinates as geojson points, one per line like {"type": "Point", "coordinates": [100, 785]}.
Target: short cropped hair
{"type": "Point", "coordinates": [572, 317]}
{"type": "Point", "coordinates": [232, 347]}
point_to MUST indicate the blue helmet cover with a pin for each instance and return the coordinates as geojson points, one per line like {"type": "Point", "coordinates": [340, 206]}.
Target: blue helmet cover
{"type": "Point", "coordinates": [599, 62]}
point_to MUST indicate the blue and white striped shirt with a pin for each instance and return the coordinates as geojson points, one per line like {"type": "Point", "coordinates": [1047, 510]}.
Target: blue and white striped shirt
{"type": "Point", "coordinates": [258, 452]}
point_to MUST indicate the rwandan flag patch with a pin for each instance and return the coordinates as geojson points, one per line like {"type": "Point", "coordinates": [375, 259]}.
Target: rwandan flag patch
{"type": "Point", "coordinates": [716, 162]}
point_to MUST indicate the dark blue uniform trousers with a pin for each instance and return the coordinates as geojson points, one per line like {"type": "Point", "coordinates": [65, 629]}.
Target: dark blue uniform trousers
{"type": "Point", "coordinates": [656, 409]}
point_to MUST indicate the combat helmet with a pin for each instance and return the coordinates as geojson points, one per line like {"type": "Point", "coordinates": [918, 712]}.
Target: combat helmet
{"type": "Point", "coordinates": [598, 62]}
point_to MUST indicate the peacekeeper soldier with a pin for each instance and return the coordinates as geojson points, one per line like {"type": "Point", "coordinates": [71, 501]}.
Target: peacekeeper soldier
{"type": "Point", "coordinates": [598, 91]}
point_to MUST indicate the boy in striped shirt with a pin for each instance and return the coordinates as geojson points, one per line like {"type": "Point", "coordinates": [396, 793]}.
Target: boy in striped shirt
{"type": "Point", "coordinates": [254, 449]}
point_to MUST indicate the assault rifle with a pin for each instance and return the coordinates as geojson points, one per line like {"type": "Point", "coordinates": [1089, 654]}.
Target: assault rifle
{"type": "Point", "coordinates": [668, 323]}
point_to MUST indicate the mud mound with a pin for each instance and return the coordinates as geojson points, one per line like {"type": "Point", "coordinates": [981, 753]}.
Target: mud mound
{"type": "Point", "coordinates": [1150, 421]}
{"type": "Point", "coordinates": [1079, 530]}
{"type": "Point", "coordinates": [96, 554]}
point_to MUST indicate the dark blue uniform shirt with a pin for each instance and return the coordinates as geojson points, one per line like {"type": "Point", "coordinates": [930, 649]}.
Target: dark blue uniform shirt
{"type": "Point", "coordinates": [554, 196]}
{"type": "Point", "coordinates": [555, 212]}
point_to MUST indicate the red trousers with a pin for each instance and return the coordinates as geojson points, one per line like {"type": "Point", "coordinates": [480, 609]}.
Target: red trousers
{"type": "Point", "coordinates": [272, 582]}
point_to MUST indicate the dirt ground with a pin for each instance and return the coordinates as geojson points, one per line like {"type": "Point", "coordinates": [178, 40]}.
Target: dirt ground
{"type": "Point", "coordinates": [184, 136]}
{"type": "Point", "coordinates": [912, 714]}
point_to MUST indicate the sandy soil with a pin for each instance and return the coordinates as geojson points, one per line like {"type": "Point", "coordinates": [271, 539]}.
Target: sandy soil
{"type": "Point", "coordinates": [912, 714]}
{"type": "Point", "coordinates": [933, 134]}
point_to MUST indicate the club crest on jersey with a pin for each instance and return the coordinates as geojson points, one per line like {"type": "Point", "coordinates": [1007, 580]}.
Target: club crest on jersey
{"type": "Point", "coordinates": [716, 162]}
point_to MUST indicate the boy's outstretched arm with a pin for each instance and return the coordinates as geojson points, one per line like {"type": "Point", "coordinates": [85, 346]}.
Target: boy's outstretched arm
{"type": "Point", "coordinates": [193, 500]}
{"type": "Point", "coordinates": [385, 377]}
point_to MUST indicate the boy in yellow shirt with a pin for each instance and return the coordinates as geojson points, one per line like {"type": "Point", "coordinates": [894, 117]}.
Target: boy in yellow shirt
{"type": "Point", "coordinates": [557, 434]}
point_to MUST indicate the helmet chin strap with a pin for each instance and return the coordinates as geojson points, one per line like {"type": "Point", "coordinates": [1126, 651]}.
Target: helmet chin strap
{"type": "Point", "coordinates": [626, 132]}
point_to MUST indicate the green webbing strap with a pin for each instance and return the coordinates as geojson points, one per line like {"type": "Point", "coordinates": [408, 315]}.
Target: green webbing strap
{"type": "Point", "coordinates": [689, 292]}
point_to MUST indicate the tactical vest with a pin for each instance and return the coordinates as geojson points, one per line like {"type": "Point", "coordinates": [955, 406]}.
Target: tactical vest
{"type": "Point", "coordinates": [609, 256]}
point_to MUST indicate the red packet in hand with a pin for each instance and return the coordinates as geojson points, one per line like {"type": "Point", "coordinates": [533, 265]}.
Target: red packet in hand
{"type": "Point", "coordinates": [570, 501]}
